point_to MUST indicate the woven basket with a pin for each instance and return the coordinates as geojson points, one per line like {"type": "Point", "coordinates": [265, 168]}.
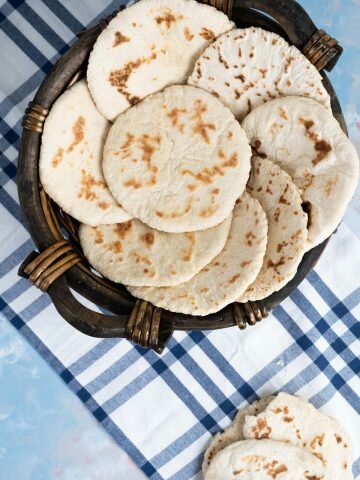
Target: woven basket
{"type": "Point", "coordinates": [60, 265]}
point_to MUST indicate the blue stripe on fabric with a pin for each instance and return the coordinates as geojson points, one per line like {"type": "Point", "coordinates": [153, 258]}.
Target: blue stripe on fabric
{"type": "Point", "coordinates": [64, 15]}
{"type": "Point", "coordinates": [11, 206]}
{"type": "Point", "coordinates": [24, 44]}
{"type": "Point", "coordinates": [12, 260]}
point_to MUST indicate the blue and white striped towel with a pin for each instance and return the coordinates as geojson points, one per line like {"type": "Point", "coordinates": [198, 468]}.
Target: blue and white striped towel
{"type": "Point", "coordinates": [163, 410]}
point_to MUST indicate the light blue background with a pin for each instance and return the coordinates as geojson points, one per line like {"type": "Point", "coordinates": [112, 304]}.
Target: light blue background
{"type": "Point", "coordinates": [45, 431]}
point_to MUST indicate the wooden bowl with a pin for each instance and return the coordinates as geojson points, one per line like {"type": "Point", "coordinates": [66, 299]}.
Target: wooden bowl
{"type": "Point", "coordinates": [60, 265]}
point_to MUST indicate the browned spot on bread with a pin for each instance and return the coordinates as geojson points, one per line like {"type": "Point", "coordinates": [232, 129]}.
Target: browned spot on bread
{"type": "Point", "coordinates": [312, 477]}
{"type": "Point", "coordinates": [176, 213]}
{"type": "Point", "coordinates": [323, 148]}
{"type": "Point", "coordinates": [261, 429]}
{"type": "Point", "coordinates": [88, 182]}
{"type": "Point", "coordinates": [78, 133]}
{"type": "Point", "coordinates": [204, 290]}
{"type": "Point", "coordinates": [283, 113]}
{"type": "Point", "coordinates": [200, 126]}
{"type": "Point", "coordinates": [237, 472]}
{"type": "Point", "coordinates": [229, 135]}
{"type": "Point", "coordinates": [274, 469]}
{"type": "Point", "coordinates": [115, 247]}
{"type": "Point", "coordinates": [206, 175]}
{"type": "Point", "coordinates": [207, 212]}
{"type": "Point", "coordinates": [222, 60]}
{"type": "Point", "coordinates": [320, 457]}
{"type": "Point", "coordinates": [125, 149]}
{"type": "Point", "coordinates": [122, 229]}
{"type": "Point", "coordinates": [207, 34]}
{"type": "Point", "coordinates": [132, 182]}
{"type": "Point", "coordinates": [174, 115]}
{"type": "Point", "coordinates": [298, 434]}
{"type": "Point", "coordinates": [168, 18]}
{"type": "Point", "coordinates": [148, 239]}
{"type": "Point", "coordinates": [240, 77]}
{"type": "Point", "coordinates": [237, 94]}
{"type": "Point", "coordinates": [274, 41]}
{"type": "Point", "coordinates": [338, 438]}
{"type": "Point", "coordinates": [282, 198]}
{"type": "Point", "coordinates": [99, 236]}
{"type": "Point", "coordinates": [245, 264]}
{"type": "Point", "coordinates": [251, 55]}
{"type": "Point", "coordinates": [104, 205]}
{"type": "Point", "coordinates": [309, 178]}
{"type": "Point", "coordinates": [263, 72]}
{"type": "Point", "coordinates": [187, 255]}
{"type": "Point", "coordinates": [119, 78]}
{"type": "Point", "coordinates": [249, 238]}
{"type": "Point", "coordinates": [318, 439]}
{"type": "Point", "coordinates": [227, 84]}
{"type": "Point", "coordinates": [149, 145]}
{"type": "Point", "coordinates": [58, 157]}
{"type": "Point", "coordinates": [268, 190]}
{"type": "Point", "coordinates": [345, 466]}
{"type": "Point", "coordinates": [191, 187]}
{"type": "Point", "coordinates": [281, 245]}
{"type": "Point", "coordinates": [329, 186]}
{"type": "Point", "coordinates": [188, 35]}
{"type": "Point", "coordinates": [140, 258]}
{"type": "Point", "coordinates": [215, 191]}
{"type": "Point", "coordinates": [288, 419]}
{"type": "Point", "coordinates": [275, 266]}
{"type": "Point", "coordinates": [289, 61]}
{"type": "Point", "coordinates": [234, 278]}
{"type": "Point", "coordinates": [119, 39]}
{"type": "Point", "coordinates": [249, 105]}
{"type": "Point", "coordinates": [240, 52]}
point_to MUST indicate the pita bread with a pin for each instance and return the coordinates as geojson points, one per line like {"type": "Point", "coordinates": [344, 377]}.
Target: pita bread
{"type": "Point", "coordinates": [178, 160]}
{"type": "Point", "coordinates": [291, 419]}
{"type": "Point", "coordinates": [248, 67]}
{"type": "Point", "coordinates": [135, 254]}
{"type": "Point", "coordinates": [287, 234]}
{"type": "Point", "coordinates": [227, 276]}
{"type": "Point", "coordinates": [307, 142]}
{"type": "Point", "coordinates": [234, 432]}
{"type": "Point", "coordinates": [71, 156]}
{"type": "Point", "coordinates": [147, 47]}
{"type": "Point", "coordinates": [264, 460]}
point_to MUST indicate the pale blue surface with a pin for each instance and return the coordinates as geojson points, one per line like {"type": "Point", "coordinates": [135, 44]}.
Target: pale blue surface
{"type": "Point", "coordinates": [45, 431]}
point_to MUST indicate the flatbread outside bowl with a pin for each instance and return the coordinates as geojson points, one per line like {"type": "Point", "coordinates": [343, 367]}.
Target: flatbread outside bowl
{"type": "Point", "coordinates": [294, 420]}
{"type": "Point", "coordinates": [71, 156]}
{"type": "Point", "coordinates": [264, 460]}
{"type": "Point", "coordinates": [135, 254]}
{"type": "Point", "coordinates": [306, 141]}
{"type": "Point", "coordinates": [287, 234]}
{"type": "Point", "coordinates": [178, 160]}
{"type": "Point", "coordinates": [148, 46]}
{"type": "Point", "coordinates": [245, 68]}
{"type": "Point", "coordinates": [227, 276]}
{"type": "Point", "coordinates": [234, 432]}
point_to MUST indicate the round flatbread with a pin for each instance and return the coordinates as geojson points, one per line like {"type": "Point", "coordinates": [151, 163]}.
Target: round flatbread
{"type": "Point", "coordinates": [178, 160]}
{"type": "Point", "coordinates": [264, 460]}
{"type": "Point", "coordinates": [307, 142]}
{"type": "Point", "coordinates": [71, 156]}
{"type": "Point", "coordinates": [234, 432]}
{"type": "Point", "coordinates": [287, 233]}
{"type": "Point", "coordinates": [294, 420]}
{"type": "Point", "coordinates": [248, 67]}
{"type": "Point", "coordinates": [135, 254]}
{"type": "Point", "coordinates": [147, 47]}
{"type": "Point", "coordinates": [228, 275]}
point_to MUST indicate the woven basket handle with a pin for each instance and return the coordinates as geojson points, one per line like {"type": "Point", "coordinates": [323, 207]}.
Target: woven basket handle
{"type": "Point", "coordinates": [319, 47]}
{"type": "Point", "coordinates": [46, 271]}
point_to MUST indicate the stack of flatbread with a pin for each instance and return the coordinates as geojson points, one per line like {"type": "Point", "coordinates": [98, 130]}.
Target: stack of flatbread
{"type": "Point", "coordinates": [177, 200]}
{"type": "Point", "coordinates": [282, 437]}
